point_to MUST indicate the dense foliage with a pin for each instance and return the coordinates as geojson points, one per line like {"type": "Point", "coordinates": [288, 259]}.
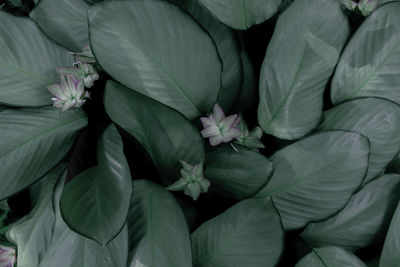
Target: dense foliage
{"type": "Point", "coordinates": [174, 133]}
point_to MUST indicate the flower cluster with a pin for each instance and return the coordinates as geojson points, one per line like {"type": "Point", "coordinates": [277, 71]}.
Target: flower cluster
{"type": "Point", "coordinates": [220, 129]}
{"type": "Point", "coordinates": [7, 256]}
{"type": "Point", "coordinates": [70, 93]}
{"type": "Point", "coordinates": [192, 180]}
{"type": "Point", "coordinates": [366, 7]}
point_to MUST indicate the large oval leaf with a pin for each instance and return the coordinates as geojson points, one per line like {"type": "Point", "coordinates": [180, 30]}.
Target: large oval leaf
{"type": "Point", "coordinates": [390, 256]}
{"type": "Point", "coordinates": [227, 46]}
{"type": "Point", "coordinates": [32, 142]}
{"type": "Point", "coordinates": [158, 50]}
{"type": "Point", "coordinates": [158, 233]}
{"type": "Point", "coordinates": [315, 177]}
{"type": "Point", "coordinates": [28, 62]}
{"type": "Point", "coordinates": [299, 61]}
{"type": "Point", "coordinates": [251, 227]}
{"type": "Point", "coordinates": [330, 257]}
{"type": "Point", "coordinates": [363, 221]}
{"type": "Point", "coordinates": [165, 133]}
{"type": "Point", "coordinates": [100, 194]}
{"type": "Point", "coordinates": [377, 119]}
{"type": "Point", "coordinates": [370, 64]}
{"type": "Point", "coordinates": [242, 14]}
{"type": "Point", "coordinates": [69, 249]}
{"type": "Point", "coordinates": [63, 21]}
{"type": "Point", "coordinates": [239, 174]}
{"type": "Point", "coordinates": [32, 234]}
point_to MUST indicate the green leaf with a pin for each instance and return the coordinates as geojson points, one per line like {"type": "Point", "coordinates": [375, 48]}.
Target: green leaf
{"type": "Point", "coordinates": [299, 61]}
{"type": "Point", "coordinates": [228, 49]}
{"type": "Point", "coordinates": [315, 177]}
{"type": "Point", "coordinates": [238, 174]}
{"type": "Point", "coordinates": [370, 64]}
{"type": "Point", "coordinates": [32, 234]}
{"type": "Point", "coordinates": [159, 51]}
{"type": "Point", "coordinates": [242, 14]}
{"type": "Point", "coordinates": [28, 62]}
{"type": "Point", "coordinates": [330, 257]}
{"type": "Point", "coordinates": [247, 234]}
{"type": "Point", "coordinates": [377, 119]}
{"type": "Point", "coordinates": [69, 249]}
{"type": "Point", "coordinates": [63, 21]}
{"type": "Point", "coordinates": [32, 142]}
{"type": "Point", "coordinates": [158, 233]}
{"type": "Point", "coordinates": [165, 133]}
{"type": "Point", "coordinates": [390, 256]}
{"type": "Point", "coordinates": [363, 221]}
{"type": "Point", "coordinates": [100, 194]}
{"type": "Point", "coordinates": [248, 89]}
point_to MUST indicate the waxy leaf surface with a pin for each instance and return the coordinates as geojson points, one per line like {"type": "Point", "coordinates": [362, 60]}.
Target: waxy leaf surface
{"type": "Point", "coordinates": [315, 177]}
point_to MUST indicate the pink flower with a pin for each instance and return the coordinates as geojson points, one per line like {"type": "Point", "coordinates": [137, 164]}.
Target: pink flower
{"type": "Point", "coordinates": [220, 129]}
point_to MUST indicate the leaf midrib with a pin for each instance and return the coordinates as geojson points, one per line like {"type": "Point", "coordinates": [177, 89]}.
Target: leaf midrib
{"type": "Point", "coordinates": [291, 87]}
{"type": "Point", "coordinates": [297, 181]}
{"type": "Point", "coordinates": [374, 71]}
{"type": "Point", "coordinates": [160, 67]}
{"type": "Point", "coordinates": [39, 136]}
{"type": "Point", "coordinates": [28, 73]}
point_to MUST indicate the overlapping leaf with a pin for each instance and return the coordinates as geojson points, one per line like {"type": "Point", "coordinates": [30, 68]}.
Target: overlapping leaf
{"type": "Point", "coordinates": [228, 49]}
{"type": "Point", "coordinates": [251, 227]}
{"type": "Point", "coordinates": [237, 174]}
{"type": "Point", "coordinates": [363, 221]}
{"type": "Point", "coordinates": [315, 177]}
{"type": "Point", "coordinates": [63, 21]}
{"type": "Point", "coordinates": [330, 257]}
{"type": "Point", "coordinates": [28, 62]}
{"type": "Point", "coordinates": [156, 49]}
{"type": "Point", "coordinates": [377, 119]}
{"type": "Point", "coordinates": [69, 249]}
{"type": "Point", "coordinates": [242, 14]}
{"type": "Point", "coordinates": [158, 233]}
{"type": "Point", "coordinates": [100, 194]}
{"type": "Point", "coordinates": [300, 59]}
{"type": "Point", "coordinates": [390, 253]}
{"type": "Point", "coordinates": [33, 233]}
{"type": "Point", "coordinates": [370, 64]}
{"type": "Point", "coordinates": [165, 133]}
{"type": "Point", "coordinates": [32, 142]}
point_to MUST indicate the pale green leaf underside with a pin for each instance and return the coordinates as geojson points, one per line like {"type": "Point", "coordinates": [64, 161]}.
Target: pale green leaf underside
{"type": "Point", "coordinates": [370, 64]}
{"type": "Point", "coordinates": [158, 233]}
{"type": "Point", "coordinates": [247, 234]}
{"type": "Point", "coordinates": [166, 134]}
{"type": "Point", "coordinates": [330, 257]}
{"type": "Point", "coordinates": [315, 177]}
{"type": "Point", "coordinates": [28, 62]}
{"type": "Point", "coordinates": [242, 14]}
{"type": "Point", "coordinates": [156, 49]}
{"type": "Point", "coordinates": [363, 221]}
{"type": "Point", "coordinates": [63, 21]}
{"type": "Point", "coordinates": [375, 118]}
{"type": "Point", "coordinates": [32, 142]}
{"type": "Point", "coordinates": [100, 194]}
{"type": "Point", "coordinates": [299, 61]}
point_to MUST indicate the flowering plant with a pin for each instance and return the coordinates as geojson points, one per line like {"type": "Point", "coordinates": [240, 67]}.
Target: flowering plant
{"type": "Point", "coordinates": [178, 133]}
